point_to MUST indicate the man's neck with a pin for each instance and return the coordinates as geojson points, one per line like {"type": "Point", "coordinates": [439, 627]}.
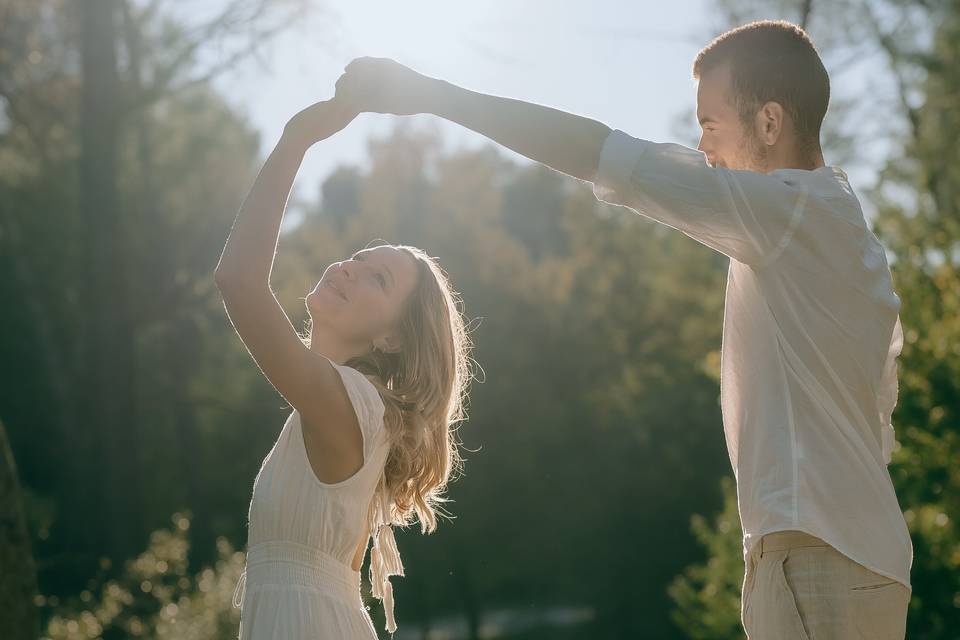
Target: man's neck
{"type": "Point", "coordinates": [805, 161]}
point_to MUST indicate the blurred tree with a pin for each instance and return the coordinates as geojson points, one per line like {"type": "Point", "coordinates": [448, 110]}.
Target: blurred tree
{"type": "Point", "coordinates": [107, 405]}
{"type": "Point", "coordinates": [157, 595]}
{"type": "Point", "coordinates": [88, 206]}
{"type": "Point", "coordinates": [919, 220]}
{"type": "Point", "coordinates": [708, 595]}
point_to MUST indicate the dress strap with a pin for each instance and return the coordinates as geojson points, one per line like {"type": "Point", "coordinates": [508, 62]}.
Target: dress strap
{"type": "Point", "coordinates": [384, 556]}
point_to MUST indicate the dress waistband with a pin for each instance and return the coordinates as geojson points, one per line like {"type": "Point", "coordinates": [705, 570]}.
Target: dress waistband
{"type": "Point", "coordinates": [782, 540]}
{"type": "Point", "coordinates": [294, 564]}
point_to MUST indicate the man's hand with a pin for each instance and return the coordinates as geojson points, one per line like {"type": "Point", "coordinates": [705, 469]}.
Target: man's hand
{"type": "Point", "coordinates": [381, 85]}
{"type": "Point", "coordinates": [319, 121]}
{"type": "Point", "coordinates": [563, 141]}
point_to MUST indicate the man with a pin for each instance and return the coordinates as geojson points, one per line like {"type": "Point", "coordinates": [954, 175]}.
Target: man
{"type": "Point", "coordinates": [811, 327]}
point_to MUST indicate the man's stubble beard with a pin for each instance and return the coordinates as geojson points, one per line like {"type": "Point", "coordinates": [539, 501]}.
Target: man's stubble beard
{"type": "Point", "coordinates": [754, 154]}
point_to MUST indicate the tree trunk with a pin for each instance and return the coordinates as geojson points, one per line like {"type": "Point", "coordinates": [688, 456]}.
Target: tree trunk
{"type": "Point", "coordinates": [18, 579]}
{"type": "Point", "coordinates": [109, 412]}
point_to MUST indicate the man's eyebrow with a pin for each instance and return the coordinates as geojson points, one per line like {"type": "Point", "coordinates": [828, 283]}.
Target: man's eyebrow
{"type": "Point", "coordinates": [706, 119]}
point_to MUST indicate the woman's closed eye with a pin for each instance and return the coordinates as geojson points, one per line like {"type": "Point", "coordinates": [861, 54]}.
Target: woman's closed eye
{"type": "Point", "coordinates": [378, 276]}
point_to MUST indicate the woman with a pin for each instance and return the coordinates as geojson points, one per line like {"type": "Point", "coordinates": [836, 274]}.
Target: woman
{"type": "Point", "coordinates": [375, 392]}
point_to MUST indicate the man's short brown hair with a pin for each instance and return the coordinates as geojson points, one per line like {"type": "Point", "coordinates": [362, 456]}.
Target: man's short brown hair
{"type": "Point", "coordinates": [772, 61]}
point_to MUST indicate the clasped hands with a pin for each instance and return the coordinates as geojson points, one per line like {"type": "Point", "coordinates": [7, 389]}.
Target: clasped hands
{"type": "Point", "coordinates": [376, 85]}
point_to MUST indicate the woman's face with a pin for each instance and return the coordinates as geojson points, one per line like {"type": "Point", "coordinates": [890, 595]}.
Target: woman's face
{"type": "Point", "coordinates": [362, 298]}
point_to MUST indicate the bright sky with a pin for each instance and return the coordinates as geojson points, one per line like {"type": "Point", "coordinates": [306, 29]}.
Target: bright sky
{"type": "Point", "coordinates": [625, 63]}
{"type": "Point", "coordinates": [609, 60]}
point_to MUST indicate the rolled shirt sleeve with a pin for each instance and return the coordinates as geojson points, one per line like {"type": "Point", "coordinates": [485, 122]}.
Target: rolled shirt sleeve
{"type": "Point", "coordinates": [748, 216]}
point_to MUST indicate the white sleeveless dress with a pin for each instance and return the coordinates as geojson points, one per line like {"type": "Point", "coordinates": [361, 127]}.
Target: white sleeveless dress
{"type": "Point", "coordinates": [303, 533]}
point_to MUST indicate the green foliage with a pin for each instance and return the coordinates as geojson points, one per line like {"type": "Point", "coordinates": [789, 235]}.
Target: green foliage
{"type": "Point", "coordinates": [708, 595]}
{"type": "Point", "coordinates": [157, 597]}
{"type": "Point", "coordinates": [924, 233]}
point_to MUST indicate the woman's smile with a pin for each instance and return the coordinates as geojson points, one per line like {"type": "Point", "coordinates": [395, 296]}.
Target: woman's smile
{"type": "Point", "coordinates": [335, 288]}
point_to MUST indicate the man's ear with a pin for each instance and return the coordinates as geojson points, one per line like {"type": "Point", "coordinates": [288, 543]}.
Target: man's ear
{"type": "Point", "coordinates": [770, 123]}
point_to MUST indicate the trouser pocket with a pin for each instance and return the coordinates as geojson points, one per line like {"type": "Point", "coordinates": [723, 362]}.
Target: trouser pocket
{"type": "Point", "coordinates": [879, 608]}
{"type": "Point", "coordinates": [772, 613]}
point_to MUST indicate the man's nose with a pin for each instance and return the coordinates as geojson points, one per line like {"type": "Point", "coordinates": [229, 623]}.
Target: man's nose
{"type": "Point", "coordinates": [707, 152]}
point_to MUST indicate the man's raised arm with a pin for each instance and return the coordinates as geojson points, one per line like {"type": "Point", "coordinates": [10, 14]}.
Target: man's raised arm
{"type": "Point", "coordinates": [746, 215]}
{"type": "Point", "coordinates": [562, 141]}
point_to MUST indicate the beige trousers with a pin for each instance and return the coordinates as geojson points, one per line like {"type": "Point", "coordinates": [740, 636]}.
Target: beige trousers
{"type": "Point", "coordinates": [797, 587]}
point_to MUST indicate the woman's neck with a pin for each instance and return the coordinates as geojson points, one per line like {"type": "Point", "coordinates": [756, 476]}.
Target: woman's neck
{"type": "Point", "coordinates": [330, 345]}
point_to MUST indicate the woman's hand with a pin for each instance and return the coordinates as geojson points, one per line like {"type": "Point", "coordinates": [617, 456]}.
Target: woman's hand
{"type": "Point", "coordinates": [319, 121]}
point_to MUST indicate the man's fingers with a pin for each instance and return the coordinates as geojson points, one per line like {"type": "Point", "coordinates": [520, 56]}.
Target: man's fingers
{"type": "Point", "coordinates": [352, 64]}
{"type": "Point", "coordinates": [357, 62]}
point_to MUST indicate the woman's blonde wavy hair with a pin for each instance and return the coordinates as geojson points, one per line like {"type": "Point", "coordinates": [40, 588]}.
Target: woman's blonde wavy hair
{"type": "Point", "coordinates": [424, 390]}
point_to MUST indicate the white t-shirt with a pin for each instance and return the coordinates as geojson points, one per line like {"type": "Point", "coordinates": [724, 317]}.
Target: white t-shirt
{"type": "Point", "coordinates": [811, 333]}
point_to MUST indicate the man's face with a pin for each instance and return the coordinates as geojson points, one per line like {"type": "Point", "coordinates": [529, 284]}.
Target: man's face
{"type": "Point", "coordinates": [725, 140]}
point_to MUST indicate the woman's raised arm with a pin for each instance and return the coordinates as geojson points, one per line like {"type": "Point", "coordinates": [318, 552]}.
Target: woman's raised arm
{"type": "Point", "coordinates": [305, 379]}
